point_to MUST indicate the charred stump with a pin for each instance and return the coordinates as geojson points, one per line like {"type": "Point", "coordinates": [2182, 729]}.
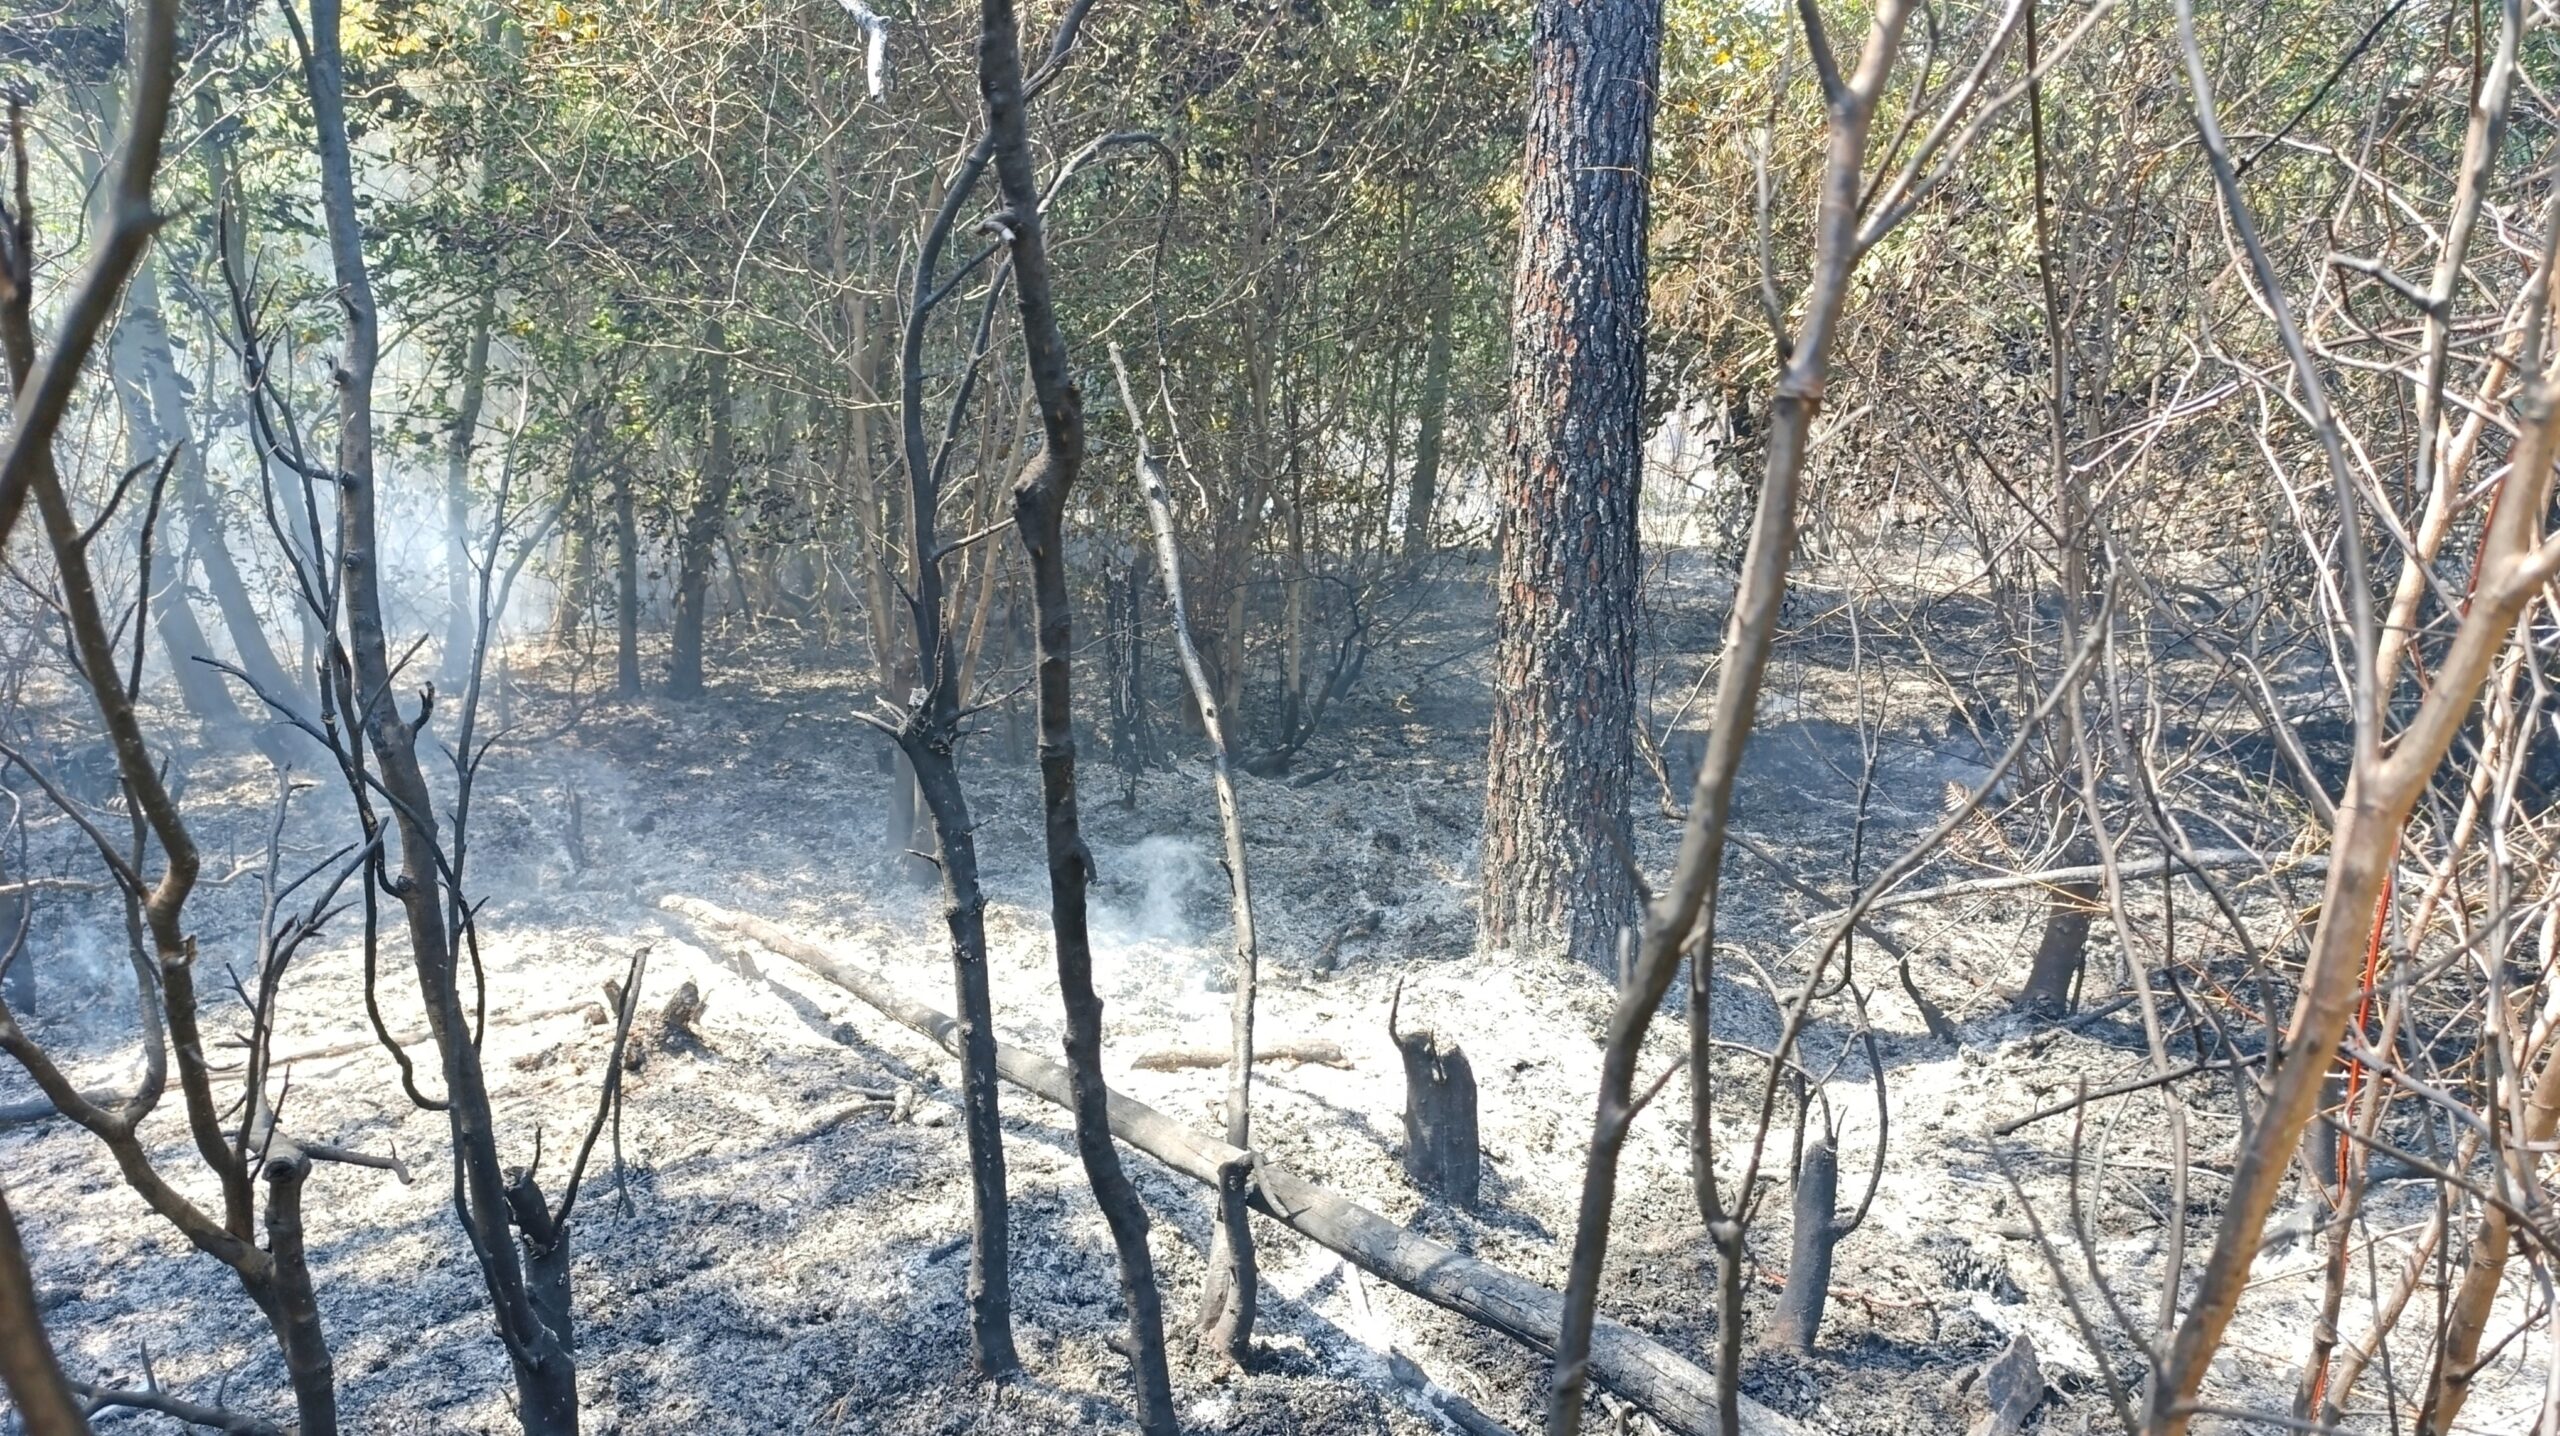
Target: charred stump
{"type": "Point", "coordinates": [2054, 976]}
{"type": "Point", "coordinates": [1440, 1149]}
{"type": "Point", "coordinates": [1818, 1232]}
{"type": "Point", "coordinates": [1227, 1298]}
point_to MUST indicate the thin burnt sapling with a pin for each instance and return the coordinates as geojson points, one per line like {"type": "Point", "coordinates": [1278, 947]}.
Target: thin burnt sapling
{"type": "Point", "coordinates": [1040, 502]}
{"type": "Point", "coordinates": [927, 733]}
{"type": "Point", "coordinates": [241, 1158]}
{"type": "Point", "coordinates": [1229, 1298]}
{"type": "Point", "coordinates": [520, 1242]}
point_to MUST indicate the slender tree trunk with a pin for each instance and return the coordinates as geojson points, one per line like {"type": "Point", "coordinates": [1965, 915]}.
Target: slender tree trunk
{"type": "Point", "coordinates": [146, 332]}
{"type": "Point", "coordinates": [163, 581]}
{"type": "Point", "coordinates": [291, 1306]}
{"type": "Point", "coordinates": [544, 1364]}
{"type": "Point", "coordinates": [2457, 1359]}
{"type": "Point", "coordinates": [1040, 505]}
{"type": "Point", "coordinates": [1228, 1301]}
{"type": "Point", "coordinates": [576, 586]}
{"type": "Point", "coordinates": [1422, 492]}
{"type": "Point", "coordinates": [1293, 667]}
{"type": "Point", "coordinates": [702, 529]}
{"type": "Point", "coordinates": [925, 741]}
{"type": "Point", "coordinates": [2061, 951]}
{"type": "Point", "coordinates": [626, 588]}
{"type": "Point", "coordinates": [1555, 813]}
{"type": "Point", "coordinates": [462, 617]}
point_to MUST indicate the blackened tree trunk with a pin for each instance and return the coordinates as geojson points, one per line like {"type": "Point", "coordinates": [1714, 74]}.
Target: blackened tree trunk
{"type": "Point", "coordinates": [544, 1362]}
{"type": "Point", "coordinates": [1798, 1318]}
{"type": "Point", "coordinates": [1040, 506]}
{"type": "Point", "coordinates": [1555, 816]}
{"type": "Point", "coordinates": [1124, 651]}
{"type": "Point", "coordinates": [1441, 1152]}
{"type": "Point", "coordinates": [928, 683]}
{"type": "Point", "coordinates": [702, 529]}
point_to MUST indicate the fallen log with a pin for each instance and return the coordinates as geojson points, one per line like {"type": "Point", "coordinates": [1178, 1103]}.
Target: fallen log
{"type": "Point", "coordinates": [1178, 1059]}
{"type": "Point", "coordinates": [1645, 1372]}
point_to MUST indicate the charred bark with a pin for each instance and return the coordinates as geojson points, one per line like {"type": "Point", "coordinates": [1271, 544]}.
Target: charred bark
{"type": "Point", "coordinates": [1123, 588]}
{"type": "Point", "coordinates": [1441, 1153]}
{"type": "Point", "coordinates": [2053, 977]}
{"type": "Point", "coordinates": [1040, 504]}
{"type": "Point", "coordinates": [1799, 1315]}
{"type": "Point", "coordinates": [544, 1364]}
{"type": "Point", "coordinates": [1563, 743]}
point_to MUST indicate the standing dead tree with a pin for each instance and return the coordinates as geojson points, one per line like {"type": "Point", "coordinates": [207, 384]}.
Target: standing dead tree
{"type": "Point", "coordinates": [928, 734]}
{"type": "Point", "coordinates": [1227, 1304]}
{"type": "Point", "coordinates": [519, 1238]}
{"type": "Point", "coordinates": [252, 1151]}
{"type": "Point", "coordinates": [1040, 503]}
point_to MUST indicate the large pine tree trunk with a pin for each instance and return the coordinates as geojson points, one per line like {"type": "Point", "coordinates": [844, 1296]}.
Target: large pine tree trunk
{"type": "Point", "coordinates": [1564, 670]}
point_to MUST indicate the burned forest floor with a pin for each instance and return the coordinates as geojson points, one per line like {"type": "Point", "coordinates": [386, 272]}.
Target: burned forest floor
{"type": "Point", "coordinates": [779, 1244]}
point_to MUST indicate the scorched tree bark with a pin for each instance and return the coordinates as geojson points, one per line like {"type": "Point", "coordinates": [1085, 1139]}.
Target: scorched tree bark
{"type": "Point", "coordinates": [1555, 811]}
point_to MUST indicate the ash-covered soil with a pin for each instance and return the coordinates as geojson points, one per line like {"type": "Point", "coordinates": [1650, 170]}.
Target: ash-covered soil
{"type": "Point", "coordinates": [763, 1259]}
